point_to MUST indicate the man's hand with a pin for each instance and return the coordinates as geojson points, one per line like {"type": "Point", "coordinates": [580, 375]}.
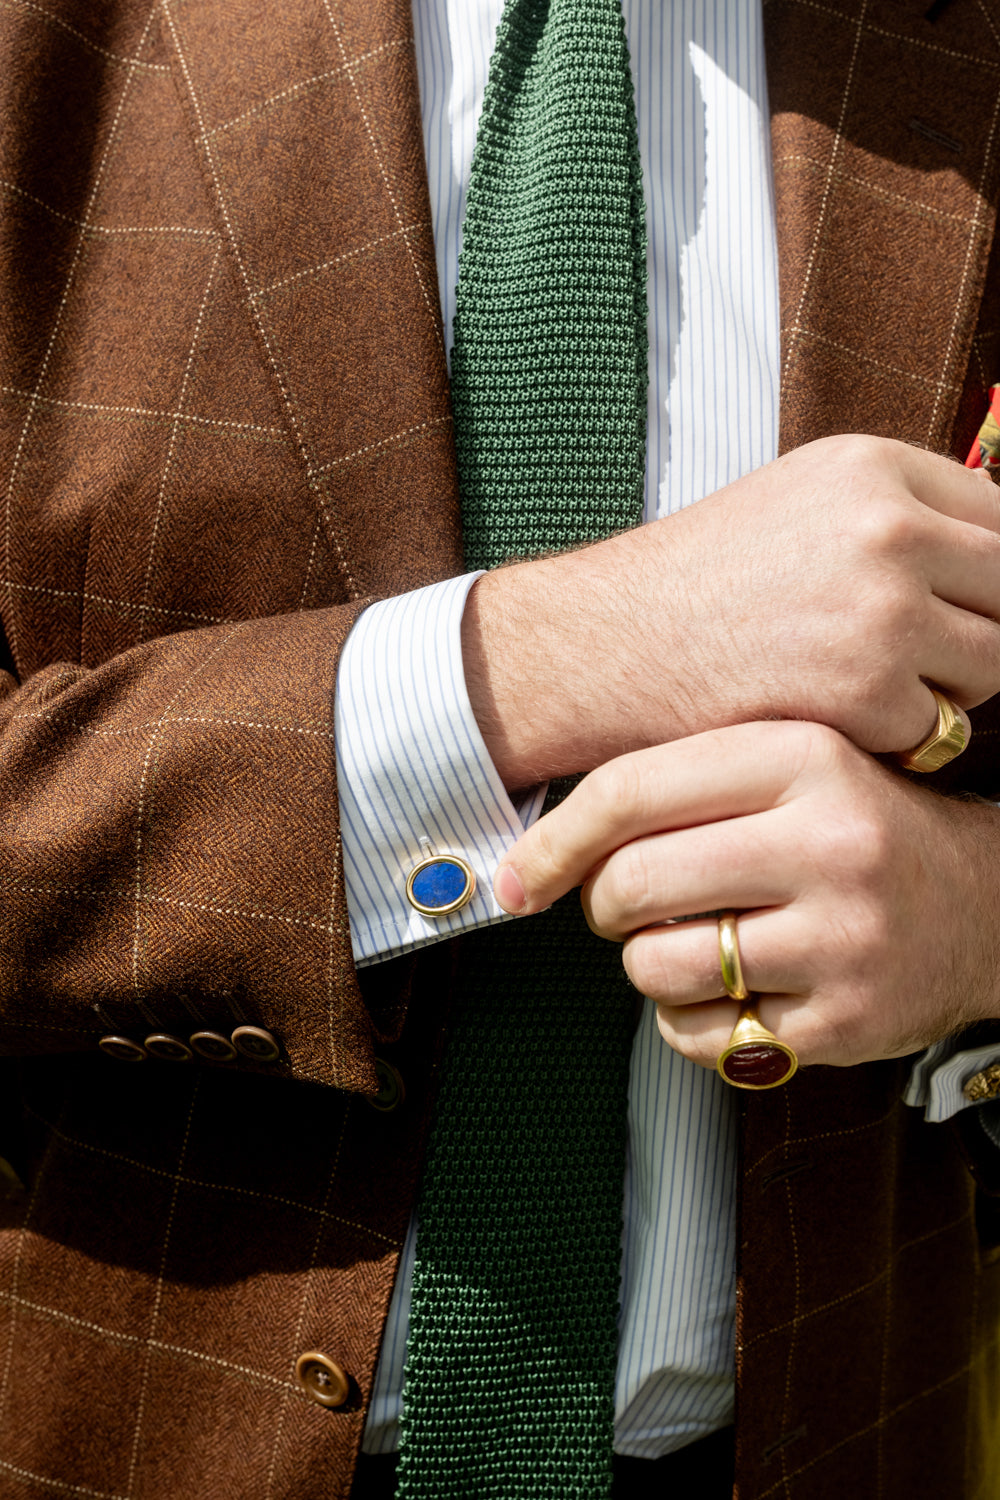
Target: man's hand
{"type": "Point", "coordinates": [831, 586]}
{"type": "Point", "coordinates": [869, 907]}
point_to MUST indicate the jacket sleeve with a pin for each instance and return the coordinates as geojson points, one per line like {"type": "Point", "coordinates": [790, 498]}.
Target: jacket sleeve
{"type": "Point", "coordinates": [169, 848]}
{"type": "Point", "coordinates": [224, 414]}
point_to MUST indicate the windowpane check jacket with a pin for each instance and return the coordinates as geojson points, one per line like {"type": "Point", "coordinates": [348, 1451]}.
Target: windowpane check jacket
{"type": "Point", "coordinates": [225, 428]}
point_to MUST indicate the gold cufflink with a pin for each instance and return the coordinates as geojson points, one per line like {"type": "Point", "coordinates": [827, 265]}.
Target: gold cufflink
{"type": "Point", "coordinates": [983, 1085]}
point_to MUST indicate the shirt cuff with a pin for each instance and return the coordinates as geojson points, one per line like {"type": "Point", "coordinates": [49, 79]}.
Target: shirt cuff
{"type": "Point", "coordinates": [937, 1077]}
{"type": "Point", "coordinates": [413, 773]}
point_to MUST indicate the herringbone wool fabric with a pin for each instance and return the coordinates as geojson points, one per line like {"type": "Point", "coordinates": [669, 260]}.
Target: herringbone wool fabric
{"type": "Point", "coordinates": [205, 473]}
{"type": "Point", "coordinates": [510, 1363]}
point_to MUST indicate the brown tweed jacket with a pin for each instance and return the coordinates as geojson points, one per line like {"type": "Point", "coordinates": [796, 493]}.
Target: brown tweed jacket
{"type": "Point", "coordinates": [225, 426]}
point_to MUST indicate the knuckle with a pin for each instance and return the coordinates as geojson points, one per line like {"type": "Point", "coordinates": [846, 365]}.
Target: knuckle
{"type": "Point", "coordinates": [886, 528]}
{"type": "Point", "coordinates": [988, 497]}
{"type": "Point", "coordinates": [814, 747]}
{"type": "Point", "coordinates": [540, 863]}
{"type": "Point", "coordinates": [871, 937]}
{"type": "Point", "coordinates": [857, 450]}
{"type": "Point", "coordinates": [645, 968]}
{"type": "Point", "coordinates": [869, 848]}
{"type": "Point", "coordinates": [982, 661]}
{"type": "Point", "coordinates": [615, 786]}
{"type": "Point", "coordinates": [821, 742]}
{"type": "Point", "coordinates": [897, 607]}
{"type": "Point", "coordinates": [855, 848]}
{"type": "Point", "coordinates": [628, 881]}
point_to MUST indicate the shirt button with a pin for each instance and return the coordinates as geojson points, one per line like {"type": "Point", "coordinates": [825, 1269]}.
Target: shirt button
{"type": "Point", "coordinates": [213, 1045]}
{"type": "Point", "coordinates": [256, 1044]}
{"type": "Point", "coordinates": [441, 884]}
{"type": "Point", "coordinates": [322, 1379]}
{"type": "Point", "coordinates": [122, 1048]}
{"type": "Point", "coordinates": [168, 1048]}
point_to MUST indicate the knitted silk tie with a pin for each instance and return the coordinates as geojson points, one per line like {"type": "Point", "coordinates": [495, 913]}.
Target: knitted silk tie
{"type": "Point", "coordinates": [510, 1369]}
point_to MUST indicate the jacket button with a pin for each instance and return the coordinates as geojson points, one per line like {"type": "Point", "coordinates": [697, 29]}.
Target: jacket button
{"type": "Point", "coordinates": [10, 1183]}
{"type": "Point", "coordinates": [322, 1379]}
{"type": "Point", "coordinates": [213, 1045]}
{"type": "Point", "coordinates": [168, 1048]}
{"type": "Point", "coordinates": [123, 1048]}
{"type": "Point", "coordinates": [391, 1090]}
{"type": "Point", "coordinates": [256, 1044]}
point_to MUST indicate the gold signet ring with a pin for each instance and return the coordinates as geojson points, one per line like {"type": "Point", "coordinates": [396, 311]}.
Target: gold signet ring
{"type": "Point", "coordinates": [948, 739]}
{"type": "Point", "coordinates": [754, 1059]}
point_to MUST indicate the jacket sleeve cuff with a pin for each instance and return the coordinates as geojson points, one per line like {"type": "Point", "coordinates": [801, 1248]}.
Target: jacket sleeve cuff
{"type": "Point", "coordinates": [413, 773]}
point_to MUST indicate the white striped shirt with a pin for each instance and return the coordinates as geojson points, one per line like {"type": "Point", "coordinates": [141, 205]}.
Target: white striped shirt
{"type": "Point", "coordinates": [412, 766]}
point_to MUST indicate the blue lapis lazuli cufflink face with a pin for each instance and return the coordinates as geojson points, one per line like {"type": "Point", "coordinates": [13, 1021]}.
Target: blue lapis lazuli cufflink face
{"type": "Point", "coordinates": [439, 885]}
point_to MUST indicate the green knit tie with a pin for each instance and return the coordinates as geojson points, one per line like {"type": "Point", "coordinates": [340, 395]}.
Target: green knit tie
{"type": "Point", "coordinates": [510, 1367]}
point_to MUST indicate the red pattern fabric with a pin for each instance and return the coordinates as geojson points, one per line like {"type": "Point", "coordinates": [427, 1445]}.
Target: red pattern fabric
{"type": "Point", "coordinates": [985, 450]}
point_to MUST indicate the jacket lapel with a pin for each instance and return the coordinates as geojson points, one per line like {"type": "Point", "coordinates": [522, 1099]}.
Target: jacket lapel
{"type": "Point", "coordinates": [885, 138]}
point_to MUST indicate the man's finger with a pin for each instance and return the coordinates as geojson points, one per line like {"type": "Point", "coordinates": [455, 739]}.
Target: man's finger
{"type": "Point", "coordinates": [745, 863]}
{"type": "Point", "coordinates": [724, 773]}
{"type": "Point", "coordinates": [961, 657]}
{"type": "Point", "coordinates": [948, 487]}
{"type": "Point", "coordinates": [962, 565]}
{"type": "Point", "coordinates": [701, 1032]}
{"type": "Point", "coordinates": [782, 949]}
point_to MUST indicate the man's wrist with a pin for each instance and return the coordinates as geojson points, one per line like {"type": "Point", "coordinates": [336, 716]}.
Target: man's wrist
{"type": "Point", "coordinates": [553, 665]}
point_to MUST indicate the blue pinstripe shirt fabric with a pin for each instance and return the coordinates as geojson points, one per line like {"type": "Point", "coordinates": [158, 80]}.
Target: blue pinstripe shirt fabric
{"type": "Point", "coordinates": [413, 771]}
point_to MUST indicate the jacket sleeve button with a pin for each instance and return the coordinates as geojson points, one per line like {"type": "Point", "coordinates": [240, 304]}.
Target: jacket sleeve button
{"type": "Point", "coordinates": [123, 1048]}
{"type": "Point", "coordinates": [10, 1184]}
{"type": "Point", "coordinates": [167, 1048]}
{"type": "Point", "coordinates": [213, 1045]}
{"type": "Point", "coordinates": [256, 1044]}
{"type": "Point", "coordinates": [322, 1379]}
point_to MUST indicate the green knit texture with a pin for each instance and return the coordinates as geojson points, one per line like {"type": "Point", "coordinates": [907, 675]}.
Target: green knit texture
{"type": "Point", "coordinates": [509, 1386]}
{"type": "Point", "coordinates": [511, 1358]}
{"type": "Point", "coordinates": [549, 369]}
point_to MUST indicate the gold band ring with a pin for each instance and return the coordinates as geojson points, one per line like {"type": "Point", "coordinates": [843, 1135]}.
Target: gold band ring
{"type": "Point", "coordinates": [754, 1058]}
{"type": "Point", "coordinates": [729, 958]}
{"type": "Point", "coordinates": [948, 739]}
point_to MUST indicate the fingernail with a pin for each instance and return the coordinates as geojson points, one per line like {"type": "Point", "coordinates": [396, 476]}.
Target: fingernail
{"type": "Point", "coordinates": [508, 890]}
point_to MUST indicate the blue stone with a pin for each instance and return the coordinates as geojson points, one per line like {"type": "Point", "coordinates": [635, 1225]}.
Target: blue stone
{"type": "Point", "coordinates": [440, 884]}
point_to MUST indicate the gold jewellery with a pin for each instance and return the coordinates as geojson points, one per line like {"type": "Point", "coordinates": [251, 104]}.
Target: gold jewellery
{"type": "Point", "coordinates": [948, 739]}
{"type": "Point", "coordinates": [754, 1059]}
